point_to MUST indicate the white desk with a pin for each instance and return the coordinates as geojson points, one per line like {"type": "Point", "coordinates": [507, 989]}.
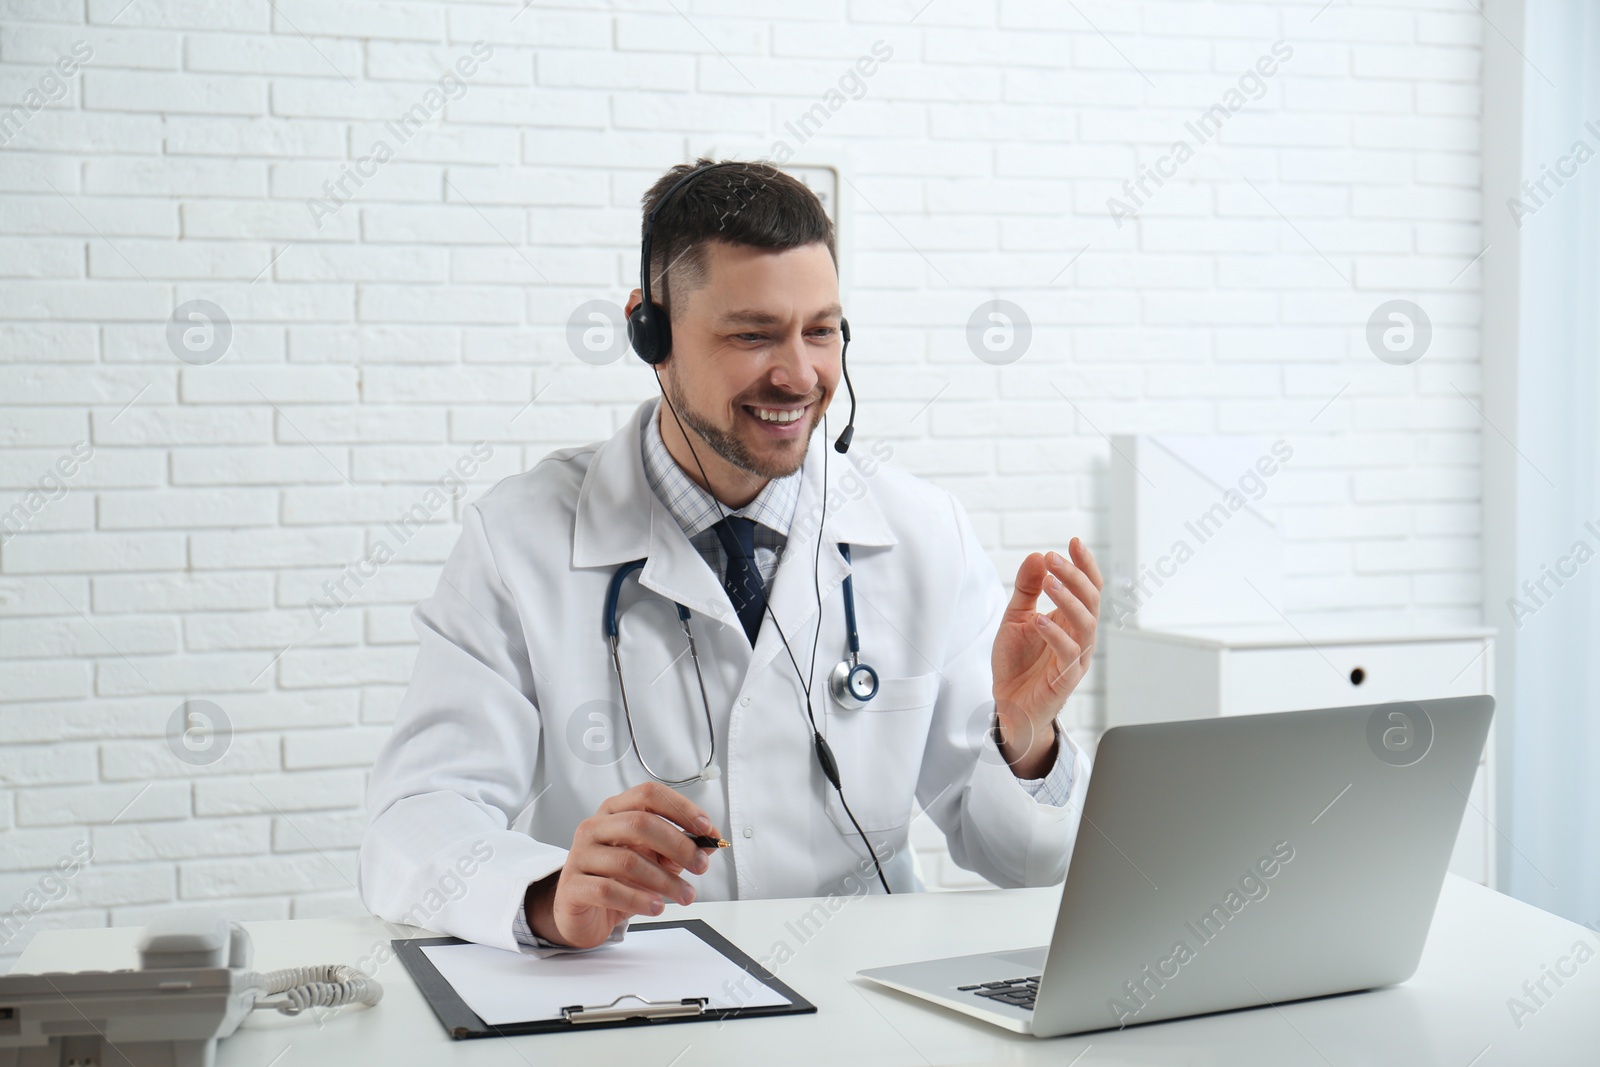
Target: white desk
{"type": "Point", "coordinates": [1483, 946]}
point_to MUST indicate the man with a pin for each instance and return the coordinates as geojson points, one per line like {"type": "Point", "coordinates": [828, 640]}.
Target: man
{"type": "Point", "coordinates": [718, 487]}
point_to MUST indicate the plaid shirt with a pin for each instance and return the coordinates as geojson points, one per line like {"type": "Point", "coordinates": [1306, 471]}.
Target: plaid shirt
{"type": "Point", "coordinates": [773, 511]}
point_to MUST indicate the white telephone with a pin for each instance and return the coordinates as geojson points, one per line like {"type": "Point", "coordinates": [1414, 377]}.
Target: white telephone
{"type": "Point", "coordinates": [192, 987]}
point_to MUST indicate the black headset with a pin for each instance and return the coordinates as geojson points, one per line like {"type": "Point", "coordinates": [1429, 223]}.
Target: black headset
{"type": "Point", "coordinates": [650, 327]}
{"type": "Point", "coordinates": [650, 334]}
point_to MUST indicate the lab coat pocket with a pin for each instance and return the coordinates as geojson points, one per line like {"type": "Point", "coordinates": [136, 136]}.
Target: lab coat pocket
{"type": "Point", "coordinates": [879, 751]}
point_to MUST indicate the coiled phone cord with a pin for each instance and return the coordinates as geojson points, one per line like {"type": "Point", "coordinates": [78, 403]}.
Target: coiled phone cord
{"type": "Point", "coordinates": [328, 985]}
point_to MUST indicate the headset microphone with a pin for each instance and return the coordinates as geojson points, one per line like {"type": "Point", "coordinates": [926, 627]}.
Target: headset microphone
{"type": "Point", "coordinates": [843, 443]}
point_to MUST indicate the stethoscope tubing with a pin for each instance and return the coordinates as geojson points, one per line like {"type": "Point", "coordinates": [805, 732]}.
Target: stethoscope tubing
{"type": "Point", "coordinates": [613, 637]}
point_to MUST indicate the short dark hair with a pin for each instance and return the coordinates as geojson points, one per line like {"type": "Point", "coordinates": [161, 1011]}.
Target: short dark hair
{"type": "Point", "coordinates": [753, 204]}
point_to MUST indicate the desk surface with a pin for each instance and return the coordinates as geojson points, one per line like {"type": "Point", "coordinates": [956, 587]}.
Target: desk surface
{"type": "Point", "coordinates": [1454, 1011]}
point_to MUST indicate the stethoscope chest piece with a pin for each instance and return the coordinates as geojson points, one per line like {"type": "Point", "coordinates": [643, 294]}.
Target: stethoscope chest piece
{"type": "Point", "coordinates": [852, 684]}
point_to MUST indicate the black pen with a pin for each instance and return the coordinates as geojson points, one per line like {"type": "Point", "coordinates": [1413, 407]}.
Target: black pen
{"type": "Point", "coordinates": [707, 841]}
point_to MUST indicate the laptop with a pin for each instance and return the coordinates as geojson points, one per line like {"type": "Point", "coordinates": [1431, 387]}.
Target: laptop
{"type": "Point", "coordinates": [1236, 862]}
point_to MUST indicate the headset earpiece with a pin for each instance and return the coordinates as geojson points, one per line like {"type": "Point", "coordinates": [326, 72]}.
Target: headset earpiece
{"type": "Point", "coordinates": [649, 326]}
{"type": "Point", "coordinates": [650, 332]}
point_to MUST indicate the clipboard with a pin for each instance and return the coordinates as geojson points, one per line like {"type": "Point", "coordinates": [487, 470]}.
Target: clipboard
{"type": "Point", "coordinates": [462, 1023]}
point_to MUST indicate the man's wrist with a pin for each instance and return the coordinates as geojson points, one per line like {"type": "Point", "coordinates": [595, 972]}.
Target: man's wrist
{"type": "Point", "coordinates": [1033, 759]}
{"type": "Point", "coordinates": [538, 904]}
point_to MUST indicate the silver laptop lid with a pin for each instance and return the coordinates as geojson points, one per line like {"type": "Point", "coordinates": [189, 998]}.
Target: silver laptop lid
{"type": "Point", "coordinates": [1227, 863]}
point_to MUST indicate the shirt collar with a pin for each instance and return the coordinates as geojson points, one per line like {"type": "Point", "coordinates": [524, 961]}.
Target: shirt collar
{"type": "Point", "coordinates": [692, 506]}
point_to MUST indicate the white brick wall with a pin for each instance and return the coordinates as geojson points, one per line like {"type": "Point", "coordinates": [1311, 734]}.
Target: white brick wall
{"type": "Point", "coordinates": [428, 311]}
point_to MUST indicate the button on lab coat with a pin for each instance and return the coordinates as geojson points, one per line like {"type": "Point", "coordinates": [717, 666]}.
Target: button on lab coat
{"type": "Point", "coordinates": [511, 733]}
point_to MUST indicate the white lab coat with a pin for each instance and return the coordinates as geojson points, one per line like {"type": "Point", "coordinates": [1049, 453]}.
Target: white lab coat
{"type": "Point", "coordinates": [512, 721]}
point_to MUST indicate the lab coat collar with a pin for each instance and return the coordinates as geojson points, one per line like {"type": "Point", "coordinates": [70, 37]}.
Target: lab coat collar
{"type": "Point", "coordinates": [619, 519]}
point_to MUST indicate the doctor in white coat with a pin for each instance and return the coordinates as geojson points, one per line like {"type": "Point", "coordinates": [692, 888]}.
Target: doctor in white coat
{"type": "Point", "coordinates": [512, 805]}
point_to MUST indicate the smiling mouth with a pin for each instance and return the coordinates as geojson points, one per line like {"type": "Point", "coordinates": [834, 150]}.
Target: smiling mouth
{"type": "Point", "coordinates": [777, 416]}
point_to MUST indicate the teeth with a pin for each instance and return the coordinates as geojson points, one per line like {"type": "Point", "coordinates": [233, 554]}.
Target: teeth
{"type": "Point", "coordinates": [769, 415]}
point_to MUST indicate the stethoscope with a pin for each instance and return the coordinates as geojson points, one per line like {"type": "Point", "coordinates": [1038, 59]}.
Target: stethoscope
{"type": "Point", "coordinates": [851, 682]}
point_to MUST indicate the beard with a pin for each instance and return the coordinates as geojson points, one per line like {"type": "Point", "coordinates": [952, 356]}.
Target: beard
{"type": "Point", "coordinates": [726, 443]}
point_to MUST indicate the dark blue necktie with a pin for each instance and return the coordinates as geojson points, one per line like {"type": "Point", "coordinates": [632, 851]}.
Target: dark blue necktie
{"type": "Point", "coordinates": [741, 578]}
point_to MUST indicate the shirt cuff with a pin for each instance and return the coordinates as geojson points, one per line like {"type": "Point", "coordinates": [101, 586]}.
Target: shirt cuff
{"type": "Point", "coordinates": [1056, 786]}
{"type": "Point", "coordinates": [538, 946]}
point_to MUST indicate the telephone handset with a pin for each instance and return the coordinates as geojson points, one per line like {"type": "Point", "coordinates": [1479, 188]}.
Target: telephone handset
{"type": "Point", "coordinates": [193, 986]}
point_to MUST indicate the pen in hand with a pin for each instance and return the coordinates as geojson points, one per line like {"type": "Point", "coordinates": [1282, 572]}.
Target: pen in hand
{"type": "Point", "coordinates": [707, 841]}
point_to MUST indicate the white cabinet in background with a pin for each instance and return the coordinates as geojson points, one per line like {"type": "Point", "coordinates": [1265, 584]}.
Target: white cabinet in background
{"type": "Point", "coordinates": [1157, 675]}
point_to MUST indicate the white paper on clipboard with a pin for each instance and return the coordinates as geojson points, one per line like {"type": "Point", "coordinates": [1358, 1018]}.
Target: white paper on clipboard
{"type": "Point", "coordinates": [662, 964]}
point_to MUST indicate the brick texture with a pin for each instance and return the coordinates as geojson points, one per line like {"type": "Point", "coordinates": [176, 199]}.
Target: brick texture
{"type": "Point", "coordinates": [1281, 171]}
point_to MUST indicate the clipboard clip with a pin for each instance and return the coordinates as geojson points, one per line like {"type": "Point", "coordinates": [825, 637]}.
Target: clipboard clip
{"type": "Point", "coordinates": [647, 1009]}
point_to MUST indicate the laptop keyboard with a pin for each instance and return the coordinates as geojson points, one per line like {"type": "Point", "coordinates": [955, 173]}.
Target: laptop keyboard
{"type": "Point", "coordinates": [1017, 991]}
